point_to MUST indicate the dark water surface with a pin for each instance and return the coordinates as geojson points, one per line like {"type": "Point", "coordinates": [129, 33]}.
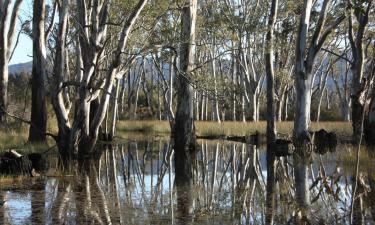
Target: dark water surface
{"type": "Point", "coordinates": [133, 183]}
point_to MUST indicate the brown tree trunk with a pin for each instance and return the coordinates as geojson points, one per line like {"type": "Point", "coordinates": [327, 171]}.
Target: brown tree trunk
{"type": "Point", "coordinates": [184, 130]}
{"type": "Point", "coordinates": [37, 131]}
{"type": "Point", "coordinates": [271, 125]}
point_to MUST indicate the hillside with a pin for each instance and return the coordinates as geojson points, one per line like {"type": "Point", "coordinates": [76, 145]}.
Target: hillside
{"type": "Point", "coordinates": [16, 68]}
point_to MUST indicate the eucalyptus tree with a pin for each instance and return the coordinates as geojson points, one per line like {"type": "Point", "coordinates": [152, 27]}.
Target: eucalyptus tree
{"type": "Point", "coordinates": [359, 11]}
{"type": "Point", "coordinates": [38, 123]}
{"type": "Point", "coordinates": [341, 78]}
{"type": "Point", "coordinates": [9, 12]}
{"type": "Point", "coordinates": [244, 21]}
{"type": "Point", "coordinates": [271, 125]}
{"type": "Point", "coordinates": [304, 62]}
{"type": "Point", "coordinates": [322, 86]}
{"type": "Point", "coordinates": [285, 35]}
{"type": "Point", "coordinates": [81, 134]}
{"type": "Point", "coordinates": [184, 129]}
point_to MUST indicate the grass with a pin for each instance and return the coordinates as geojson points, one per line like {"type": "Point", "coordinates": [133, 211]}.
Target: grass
{"type": "Point", "coordinates": [229, 128]}
{"type": "Point", "coordinates": [14, 135]}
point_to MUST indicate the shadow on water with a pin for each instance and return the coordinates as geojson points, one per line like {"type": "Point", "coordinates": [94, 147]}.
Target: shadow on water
{"type": "Point", "coordinates": [134, 183]}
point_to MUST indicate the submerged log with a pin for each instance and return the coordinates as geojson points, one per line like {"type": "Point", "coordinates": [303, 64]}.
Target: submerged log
{"type": "Point", "coordinates": [237, 138]}
{"type": "Point", "coordinates": [253, 139]}
{"type": "Point", "coordinates": [212, 137]}
{"type": "Point", "coordinates": [325, 141]}
{"type": "Point", "coordinates": [283, 148]}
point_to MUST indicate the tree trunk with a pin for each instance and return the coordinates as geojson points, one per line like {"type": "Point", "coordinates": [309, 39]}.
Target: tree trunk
{"type": "Point", "coordinates": [358, 83]}
{"type": "Point", "coordinates": [3, 82]}
{"type": "Point", "coordinates": [321, 94]}
{"type": "Point", "coordinates": [234, 80]}
{"type": "Point", "coordinates": [57, 98]}
{"type": "Point", "coordinates": [184, 130]}
{"type": "Point", "coordinates": [37, 131]}
{"type": "Point", "coordinates": [271, 125]}
{"type": "Point", "coordinates": [171, 74]}
{"type": "Point", "coordinates": [213, 67]}
{"type": "Point", "coordinates": [322, 90]}
{"type": "Point", "coordinates": [280, 104]}
{"type": "Point", "coordinates": [8, 22]}
{"type": "Point", "coordinates": [115, 111]}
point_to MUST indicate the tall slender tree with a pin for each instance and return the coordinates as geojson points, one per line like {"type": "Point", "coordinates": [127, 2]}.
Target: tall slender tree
{"type": "Point", "coordinates": [271, 125]}
{"type": "Point", "coordinates": [8, 23]}
{"type": "Point", "coordinates": [360, 12]}
{"type": "Point", "coordinates": [184, 130]}
{"type": "Point", "coordinates": [38, 125]}
{"type": "Point", "coordinates": [304, 62]}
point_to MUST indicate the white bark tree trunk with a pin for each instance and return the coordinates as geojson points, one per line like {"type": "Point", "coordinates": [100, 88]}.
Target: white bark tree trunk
{"type": "Point", "coordinates": [304, 61]}
{"type": "Point", "coordinates": [213, 69]}
{"type": "Point", "coordinates": [8, 22]}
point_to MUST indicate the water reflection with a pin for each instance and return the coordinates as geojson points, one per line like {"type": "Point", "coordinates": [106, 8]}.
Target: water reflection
{"type": "Point", "coordinates": [134, 183]}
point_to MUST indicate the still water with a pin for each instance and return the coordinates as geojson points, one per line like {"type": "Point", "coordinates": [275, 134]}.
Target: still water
{"type": "Point", "coordinates": [132, 182]}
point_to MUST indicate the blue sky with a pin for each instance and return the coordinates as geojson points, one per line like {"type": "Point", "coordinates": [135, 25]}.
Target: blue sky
{"type": "Point", "coordinates": [24, 50]}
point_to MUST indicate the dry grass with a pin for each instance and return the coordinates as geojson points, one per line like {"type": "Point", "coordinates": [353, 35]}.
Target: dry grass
{"type": "Point", "coordinates": [14, 135]}
{"type": "Point", "coordinates": [204, 128]}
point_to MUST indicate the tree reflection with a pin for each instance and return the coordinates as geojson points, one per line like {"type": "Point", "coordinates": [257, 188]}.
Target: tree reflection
{"type": "Point", "coordinates": [135, 183]}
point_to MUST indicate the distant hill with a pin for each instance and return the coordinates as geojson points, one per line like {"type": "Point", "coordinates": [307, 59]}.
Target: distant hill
{"type": "Point", "coordinates": [17, 68]}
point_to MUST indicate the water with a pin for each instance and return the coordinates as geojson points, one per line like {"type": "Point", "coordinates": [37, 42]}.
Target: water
{"type": "Point", "coordinates": [133, 183]}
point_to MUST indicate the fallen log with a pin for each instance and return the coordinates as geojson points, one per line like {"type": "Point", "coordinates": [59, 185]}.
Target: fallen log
{"type": "Point", "coordinates": [13, 163]}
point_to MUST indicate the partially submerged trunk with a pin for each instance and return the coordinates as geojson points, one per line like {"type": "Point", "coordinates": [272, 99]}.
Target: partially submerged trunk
{"type": "Point", "coordinates": [93, 96]}
{"type": "Point", "coordinates": [184, 130]}
{"type": "Point", "coordinates": [271, 125]}
{"type": "Point", "coordinates": [304, 62]}
{"type": "Point", "coordinates": [57, 95]}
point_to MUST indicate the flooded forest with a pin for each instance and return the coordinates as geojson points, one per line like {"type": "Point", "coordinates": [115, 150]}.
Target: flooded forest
{"type": "Point", "coordinates": [187, 112]}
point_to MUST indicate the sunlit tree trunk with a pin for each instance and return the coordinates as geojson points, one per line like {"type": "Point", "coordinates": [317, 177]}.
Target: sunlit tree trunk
{"type": "Point", "coordinates": [57, 98]}
{"type": "Point", "coordinates": [304, 61]}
